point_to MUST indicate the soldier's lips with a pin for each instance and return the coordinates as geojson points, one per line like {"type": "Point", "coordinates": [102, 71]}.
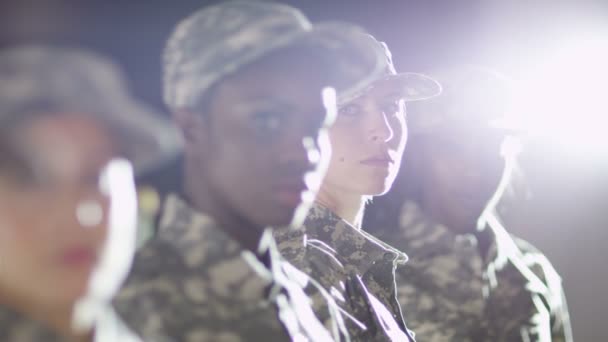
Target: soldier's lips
{"type": "Point", "coordinates": [79, 257]}
{"type": "Point", "coordinates": [380, 160]}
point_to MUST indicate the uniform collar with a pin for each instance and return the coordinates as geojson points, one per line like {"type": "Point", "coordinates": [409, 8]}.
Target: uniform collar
{"type": "Point", "coordinates": [359, 248]}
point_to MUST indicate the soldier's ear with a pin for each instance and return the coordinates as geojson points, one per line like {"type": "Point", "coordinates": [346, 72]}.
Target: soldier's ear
{"type": "Point", "coordinates": [190, 124]}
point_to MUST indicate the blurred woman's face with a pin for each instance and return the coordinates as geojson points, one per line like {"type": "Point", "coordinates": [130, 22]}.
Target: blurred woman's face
{"type": "Point", "coordinates": [460, 172]}
{"type": "Point", "coordinates": [53, 213]}
{"type": "Point", "coordinates": [367, 141]}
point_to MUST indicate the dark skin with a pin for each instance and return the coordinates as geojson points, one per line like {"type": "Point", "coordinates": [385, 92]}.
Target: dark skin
{"type": "Point", "coordinates": [247, 154]}
{"type": "Point", "coordinates": [462, 170]}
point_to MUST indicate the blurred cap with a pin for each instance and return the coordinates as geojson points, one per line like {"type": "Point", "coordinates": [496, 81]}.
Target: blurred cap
{"type": "Point", "coordinates": [218, 40]}
{"type": "Point", "coordinates": [412, 86]}
{"type": "Point", "coordinates": [473, 97]}
{"type": "Point", "coordinates": [35, 80]}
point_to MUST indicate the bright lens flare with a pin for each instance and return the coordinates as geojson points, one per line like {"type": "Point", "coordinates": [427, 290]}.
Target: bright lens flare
{"type": "Point", "coordinates": [118, 184]}
{"type": "Point", "coordinates": [329, 97]}
{"type": "Point", "coordinates": [566, 100]}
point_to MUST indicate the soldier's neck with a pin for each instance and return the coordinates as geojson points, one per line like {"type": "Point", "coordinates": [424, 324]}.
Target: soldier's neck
{"type": "Point", "coordinates": [56, 317]}
{"type": "Point", "coordinates": [62, 323]}
{"type": "Point", "coordinates": [200, 196]}
{"type": "Point", "coordinates": [347, 205]}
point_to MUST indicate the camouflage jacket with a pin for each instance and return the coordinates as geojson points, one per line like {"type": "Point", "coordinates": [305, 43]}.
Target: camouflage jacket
{"type": "Point", "coordinates": [355, 268]}
{"type": "Point", "coordinates": [193, 282]}
{"type": "Point", "coordinates": [15, 327]}
{"type": "Point", "coordinates": [454, 293]}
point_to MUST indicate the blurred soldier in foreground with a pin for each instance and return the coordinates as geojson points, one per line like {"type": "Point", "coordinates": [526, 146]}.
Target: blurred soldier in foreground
{"type": "Point", "coordinates": [251, 85]}
{"type": "Point", "coordinates": [70, 139]}
{"type": "Point", "coordinates": [367, 142]}
{"type": "Point", "coordinates": [468, 279]}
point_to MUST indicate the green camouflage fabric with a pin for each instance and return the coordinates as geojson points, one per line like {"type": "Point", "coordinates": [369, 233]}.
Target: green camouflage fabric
{"type": "Point", "coordinates": [410, 85]}
{"type": "Point", "coordinates": [15, 327]}
{"type": "Point", "coordinates": [193, 282]}
{"type": "Point", "coordinates": [218, 40]}
{"type": "Point", "coordinates": [355, 268]}
{"type": "Point", "coordinates": [453, 293]}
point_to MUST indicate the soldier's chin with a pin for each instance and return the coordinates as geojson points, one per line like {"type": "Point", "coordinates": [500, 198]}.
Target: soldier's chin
{"type": "Point", "coordinates": [272, 216]}
{"type": "Point", "coordinates": [276, 216]}
{"type": "Point", "coordinates": [376, 187]}
{"type": "Point", "coordinates": [72, 288]}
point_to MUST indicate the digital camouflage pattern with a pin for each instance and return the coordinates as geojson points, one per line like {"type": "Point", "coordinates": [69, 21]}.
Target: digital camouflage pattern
{"type": "Point", "coordinates": [218, 40]}
{"type": "Point", "coordinates": [453, 293]}
{"type": "Point", "coordinates": [192, 282]}
{"type": "Point", "coordinates": [410, 86]}
{"type": "Point", "coordinates": [15, 327]}
{"type": "Point", "coordinates": [356, 268]}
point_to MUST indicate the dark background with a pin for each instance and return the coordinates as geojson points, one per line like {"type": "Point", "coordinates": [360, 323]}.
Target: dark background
{"type": "Point", "coordinates": [565, 217]}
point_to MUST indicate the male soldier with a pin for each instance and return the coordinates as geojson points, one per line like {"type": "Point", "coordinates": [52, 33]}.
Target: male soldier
{"type": "Point", "coordinates": [367, 140]}
{"type": "Point", "coordinates": [244, 82]}
{"type": "Point", "coordinates": [467, 279]}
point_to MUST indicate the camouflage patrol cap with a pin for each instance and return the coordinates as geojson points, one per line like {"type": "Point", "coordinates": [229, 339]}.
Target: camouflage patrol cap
{"type": "Point", "coordinates": [413, 86]}
{"type": "Point", "coordinates": [472, 97]}
{"type": "Point", "coordinates": [36, 80]}
{"type": "Point", "coordinates": [218, 40]}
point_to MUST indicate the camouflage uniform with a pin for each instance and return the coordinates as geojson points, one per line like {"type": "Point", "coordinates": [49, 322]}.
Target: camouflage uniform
{"type": "Point", "coordinates": [356, 268]}
{"type": "Point", "coordinates": [453, 293]}
{"type": "Point", "coordinates": [192, 281]}
{"type": "Point", "coordinates": [195, 283]}
{"type": "Point", "coordinates": [15, 327]}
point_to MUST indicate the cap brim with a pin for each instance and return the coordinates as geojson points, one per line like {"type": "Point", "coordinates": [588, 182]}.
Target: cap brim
{"type": "Point", "coordinates": [466, 127]}
{"type": "Point", "coordinates": [61, 80]}
{"type": "Point", "coordinates": [414, 86]}
{"type": "Point", "coordinates": [148, 140]}
{"type": "Point", "coordinates": [411, 86]}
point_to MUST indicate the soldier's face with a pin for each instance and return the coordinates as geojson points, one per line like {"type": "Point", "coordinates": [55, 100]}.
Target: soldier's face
{"type": "Point", "coordinates": [367, 141]}
{"type": "Point", "coordinates": [461, 172]}
{"type": "Point", "coordinates": [53, 214]}
{"type": "Point", "coordinates": [263, 141]}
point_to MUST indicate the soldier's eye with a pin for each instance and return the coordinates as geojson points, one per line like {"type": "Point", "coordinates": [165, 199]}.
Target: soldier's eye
{"type": "Point", "coordinates": [267, 122]}
{"type": "Point", "coordinates": [350, 110]}
{"type": "Point", "coordinates": [15, 168]}
{"type": "Point", "coordinates": [391, 108]}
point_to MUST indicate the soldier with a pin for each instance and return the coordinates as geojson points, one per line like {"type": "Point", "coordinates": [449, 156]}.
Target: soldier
{"type": "Point", "coordinates": [67, 203]}
{"type": "Point", "coordinates": [367, 141]}
{"type": "Point", "coordinates": [468, 279]}
{"type": "Point", "coordinates": [244, 82]}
